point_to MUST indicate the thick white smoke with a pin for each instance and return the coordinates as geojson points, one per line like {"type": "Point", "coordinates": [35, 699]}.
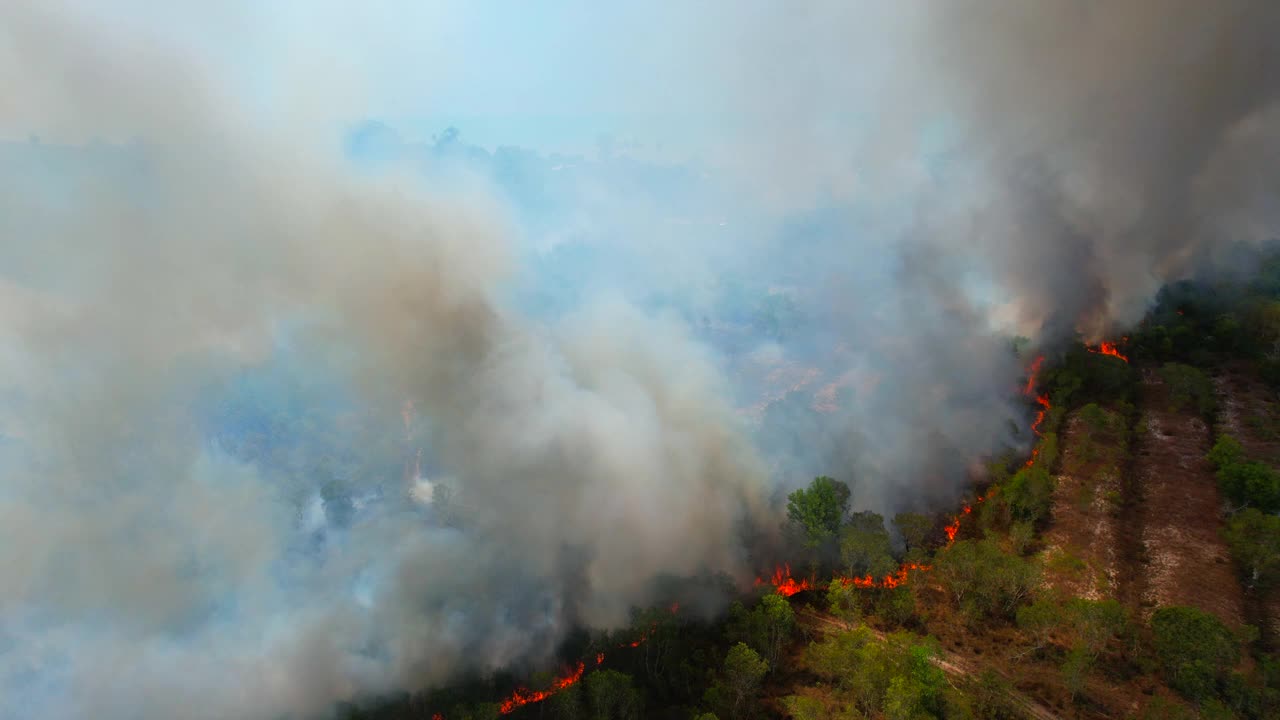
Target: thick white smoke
{"type": "Point", "coordinates": [931, 179]}
{"type": "Point", "coordinates": [149, 574]}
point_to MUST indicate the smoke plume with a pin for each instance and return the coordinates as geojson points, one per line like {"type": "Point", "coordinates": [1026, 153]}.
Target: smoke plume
{"type": "Point", "coordinates": [901, 189]}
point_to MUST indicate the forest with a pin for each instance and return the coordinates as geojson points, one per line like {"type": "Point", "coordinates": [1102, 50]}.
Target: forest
{"type": "Point", "coordinates": [1128, 566]}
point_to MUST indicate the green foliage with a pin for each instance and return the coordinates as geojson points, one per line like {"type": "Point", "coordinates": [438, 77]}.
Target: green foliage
{"type": "Point", "coordinates": [1095, 418]}
{"type": "Point", "coordinates": [1254, 538]}
{"type": "Point", "coordinates": [1215, 709]}
{"type": "Point", "coordinates": [1040, 619]}
{"type": "Point", "coordinates": [865, 546]}
{"type": "Point", "coordinates": [566, 704]}
{"type": "Point", "coordinates": [915, 529]}
{"type": "Point", "coordinates": [611, 695]}
{"type": "Point", "coordinates": [802, 707]}
{"type": "Point", "coordinates": [990, 696]}
{"type": "Point", "coordinates": [1163, 708]}
{"type": "Point", "coordinates": [1021, 535]}
{"type": "Point", "coordinates": [739, 681]}
{"type": "Point", "coordinates": [896, 677]}
{"type": "Point", "coordinates": [983, 579]}
{"type": "Point", "coordinates": [1194, 648]}
{"type": "Point", "coordinates": [1083, 377]}
{"type": "Point", "coordinates": [1096, 624]}
{"type": "Point", "coordinates": [1029, 494]}
{"type": "Point", "coordinates": [843, 601]}
{"type": "Point", "coordinates": [1075, 670]}
{"type": "Point", "coordinates": [896, 605]}
{"type": "Point", "coordinates": [1251, 484]}
{"type": "Point", "coordinates": [1087, 626]}
{"type": "Point", "coordinates": [766, 628]}
{"type": "Point", "coordinates": [1245, 482]}
{"type": "Point", "coordinates": [819, 510]}
{"type": "Point", "coordinates": [1189, 389]}
{"type": "Point", "coordinates": [1048, 451]}
{"type": "Point", "coordinates": [1226, 451]}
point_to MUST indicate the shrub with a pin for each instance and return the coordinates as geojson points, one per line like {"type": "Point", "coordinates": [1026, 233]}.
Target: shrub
{"type": "Point", "coordinates": [983, 579]}
{"type": "Point", "coordinates": [1189, 388]}
{"type": "Point", "coordinates": [1254, 538]}
{"type": "Point", "coordinates": [1030, 493]}
{"type": "Point", "coordinates": [1252, 484]}
{"type": "Point", "coordinates": [1226, 451]}
{"type": "Point", "coordinates": [1194, 648]}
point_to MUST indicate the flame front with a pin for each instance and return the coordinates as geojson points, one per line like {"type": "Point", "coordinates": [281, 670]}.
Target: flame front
{"type": "Point", "coordinates": [523, 696]}
{"type": "Point", "coordinates": [1108, 348]}
{"type": "Point", "coordinates": [1042, 400]}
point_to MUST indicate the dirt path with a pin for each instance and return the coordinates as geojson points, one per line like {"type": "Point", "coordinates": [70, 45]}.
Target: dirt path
{"type": "Point", "coordinates": [1081, 554]}
{"type": "Point", "coordinates": [1187, 562]}
{"type": "Point", "coordinates": [949, 662]}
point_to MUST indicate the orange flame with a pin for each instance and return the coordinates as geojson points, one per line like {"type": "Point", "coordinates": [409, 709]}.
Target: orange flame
{"type": "Point", "coordinates": [1043, 400]}
{"type": "Point", "coordinates": [951, 530]}
{"type": "Point", "coordinates": [1032, 373]}
{"type": "Point", "coordinates": [892, 580]}
{"type": "Point", "coordinates": [1108, 348]}
{"type": "Point", "coordinates": [784, 584]}
{"type": "Point", "coordinates": [1045, 407]}
{"type": "Point", "coordinates": [524, 696]}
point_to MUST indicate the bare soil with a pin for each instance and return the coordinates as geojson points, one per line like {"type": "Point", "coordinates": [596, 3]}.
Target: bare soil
{"type": "Point", "coordinates": [1081, 555]}
{"type": "Point", "coordinates": [1180, 514]}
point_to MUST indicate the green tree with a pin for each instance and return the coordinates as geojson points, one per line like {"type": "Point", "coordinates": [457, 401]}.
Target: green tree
{"type": "Point", "coordinates": [1226, 451]}
{"type": "Point", "coordinates": [612, 696]}
{"type": "Point", "coordinates": [804, 707]}
{"type": "Point", "coordinates": [896, 677]}
{"type": "Point", "coordinates": [983, 579]}
{"type": "Point", "coordinates": [766, 628]}
{"type": "Point", "coordinates": [915, 529]}
{"type": "Point", "coordinates": [1189, 388]}
{"type": "Point", "coordinates": [843, 601]}
{"type": "Point", "coordinates": [1252, 484]}
{"type": "Point", "coordinates": [1254, 538]}
{"type": "Point", "coordinates": [865, 546]}
{"type": "Point", "coordinates": [1194, 648]}
{"type": "Point", "coordinates": [1029, 493]}
{"type": "Point", "coordinates": [567, 704]}
{"type": "Point", "coordinates": [819, 510]}
{"type": "Point", "coordinates": [740, 680]}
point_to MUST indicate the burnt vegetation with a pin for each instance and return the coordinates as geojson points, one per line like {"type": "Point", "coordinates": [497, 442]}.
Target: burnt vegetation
{"type": "Point", "coordinates": [1127, 567]}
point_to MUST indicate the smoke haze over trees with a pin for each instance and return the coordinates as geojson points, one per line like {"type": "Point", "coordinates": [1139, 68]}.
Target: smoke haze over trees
{"type": "Point", "coordinates": [293, 413]}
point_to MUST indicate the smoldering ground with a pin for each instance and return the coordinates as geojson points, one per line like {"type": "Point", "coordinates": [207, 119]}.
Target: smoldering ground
{"type": "Point", "coordinates": [986, 171]}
